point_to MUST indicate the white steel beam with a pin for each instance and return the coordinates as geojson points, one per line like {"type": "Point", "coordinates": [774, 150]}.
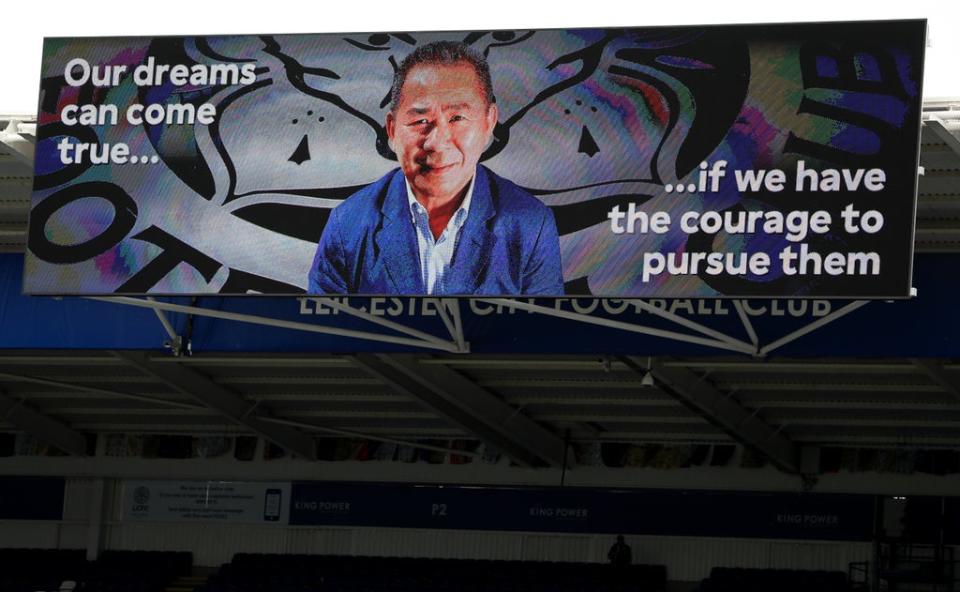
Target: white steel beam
{"type": "Point", "coordinates": [98, 391]}
{"type": "Point", "coordinates": [719, 340]}
{"type": "Point", "coordinates": [444, 315]}
{"type": "Point", "coordinates": [433, 343]}
{"type": "Point", "coordinates": [683, 322]}
{"type": "Point", "coordinates": [747, 325]}
{"type": "Point", "coordinates": [362, 314]}
{"type": "Point", "coordinates": [719, 409]}
{"type": "Point", "coordinates": [469, 406]}
{"type": "Point", "coordinates": [946, 136]}
{"type": "Point", "coordinates": [198, 407]}
{"type": "Point", "coordinates": [449, 311]}
{"type": "Point", "coordinates": [453, 305]}
{"type": "Point", "coordinates": [938, 374]}
{"type": "Point", "coordinates": [21, 147]}
{"type": "Point", "coordinates": [190, 382]}
{"type": "Point", "coordinates": [365, 436]}
{"type": "Point", "coordinates": [42, 426]}
{"type": "Point", "coordinates": [765, 350]}
{"type": "Point", "coordinates": [171, 333]}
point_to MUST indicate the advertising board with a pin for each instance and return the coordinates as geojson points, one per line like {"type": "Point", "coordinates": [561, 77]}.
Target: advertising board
{"type": "Point", "coordinates": [693, 162]}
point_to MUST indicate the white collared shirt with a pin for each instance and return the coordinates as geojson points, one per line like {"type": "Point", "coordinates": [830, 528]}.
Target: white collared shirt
{"type": "Point", "coordinates": [436, 256]}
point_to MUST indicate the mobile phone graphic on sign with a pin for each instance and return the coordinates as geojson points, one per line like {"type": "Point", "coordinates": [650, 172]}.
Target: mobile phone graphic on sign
{"type": "Point", "coordinates": [271, 505]}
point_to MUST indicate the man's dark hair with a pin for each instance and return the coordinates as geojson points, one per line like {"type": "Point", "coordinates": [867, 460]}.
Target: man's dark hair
{"type": "Point", "coordinates": [447, 53]}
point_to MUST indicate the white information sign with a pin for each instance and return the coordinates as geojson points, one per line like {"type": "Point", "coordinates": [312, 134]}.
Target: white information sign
{"type": "Point", "coordinates": [207, 501]}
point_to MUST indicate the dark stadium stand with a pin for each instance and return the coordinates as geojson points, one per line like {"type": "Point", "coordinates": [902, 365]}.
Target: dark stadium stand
{"type": "Point", "coordinates": [300, 573]}
{"type": "Point", "coordinates": [28, 570]}
{"type": "Point", "coordinates": [136, 571]}
{"type": "Point", "coordinates": [727, 579]}
{"type": "Point", "coordinates": [33, 570]}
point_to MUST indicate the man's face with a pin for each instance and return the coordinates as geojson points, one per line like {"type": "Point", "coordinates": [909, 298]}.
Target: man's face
{"type": "Point", "coordinates": [440, 128]}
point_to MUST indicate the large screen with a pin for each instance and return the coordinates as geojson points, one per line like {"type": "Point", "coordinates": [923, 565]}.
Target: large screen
{"type": "Point", "coordinates": [722, 161]}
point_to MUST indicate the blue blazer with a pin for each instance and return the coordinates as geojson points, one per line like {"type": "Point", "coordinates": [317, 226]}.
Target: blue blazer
{"type": "Point", "coordinates": [508, 245]}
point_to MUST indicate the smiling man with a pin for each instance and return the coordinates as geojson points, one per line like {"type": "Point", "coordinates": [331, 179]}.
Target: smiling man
{"type": "Point", "coordinates": [441, 224]}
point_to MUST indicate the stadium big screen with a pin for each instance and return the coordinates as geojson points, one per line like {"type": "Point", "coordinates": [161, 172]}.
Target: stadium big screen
{"type": "Point", "coordinates": [723, 161]}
